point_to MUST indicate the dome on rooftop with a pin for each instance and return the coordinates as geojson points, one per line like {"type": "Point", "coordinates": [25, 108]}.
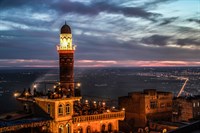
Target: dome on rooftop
{"type": "Point", "coordinates": [65, 29]}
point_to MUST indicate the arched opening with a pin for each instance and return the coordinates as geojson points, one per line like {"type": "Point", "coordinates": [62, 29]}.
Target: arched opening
{"type": "Point", "coordinates": [80, 130]}
{"type": "Point", "coordinates": [88, 130]}
{"type": "Point", "coordinates": [109, 127]}
{"type": "Point", "coordinates": [103, 128]}
{"type": "Point", "coordinates": [67, 109]}
{"type": "Point", "coordinates": [60, 129]}
{"type": "Point", "coordinates": [60, 109]}
{"type": "Point", "coordinates": [68, 128]}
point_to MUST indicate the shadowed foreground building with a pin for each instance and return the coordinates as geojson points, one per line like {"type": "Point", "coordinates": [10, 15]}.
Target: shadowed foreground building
{"type": "Point", "coordinates": [145, 106]}
{"type": "Point", "coordinates": [186, 108]}
{"type": "Point", "coordinates": [63, 110]}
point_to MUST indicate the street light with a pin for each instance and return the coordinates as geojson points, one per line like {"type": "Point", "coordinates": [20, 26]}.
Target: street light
{"type": "Point", "coordinates": [78, 84]}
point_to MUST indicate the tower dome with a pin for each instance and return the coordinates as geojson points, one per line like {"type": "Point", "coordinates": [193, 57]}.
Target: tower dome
{"type": "Point", "coordinates": [65, 29]}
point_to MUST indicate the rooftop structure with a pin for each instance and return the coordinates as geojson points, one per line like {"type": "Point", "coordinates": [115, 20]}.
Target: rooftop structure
{"type": "Point", "coordinates": [147, 105]}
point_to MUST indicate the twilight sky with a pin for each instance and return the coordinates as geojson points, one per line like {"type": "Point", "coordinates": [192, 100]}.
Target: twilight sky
{"type": "Point", "coordinates": [106, 32]}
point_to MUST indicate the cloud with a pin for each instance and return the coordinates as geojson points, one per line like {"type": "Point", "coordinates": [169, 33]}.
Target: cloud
{"type": "Point", "coordinates": [188, 41]}
{"type": "Point", "coordinates": [167, 21]}
{"type": "Point", "coordinates": [194, 20]}
{"type": "Point", "coordinates": [103, 6]}
{"type": "Point", "coordinates": [157, 40]}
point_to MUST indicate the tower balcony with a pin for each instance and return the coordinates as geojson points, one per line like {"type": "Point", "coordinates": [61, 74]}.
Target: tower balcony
{"type": "Point", "coordinates": [98, 117]}
{"type": "Point", "coordinates": [60, 47]}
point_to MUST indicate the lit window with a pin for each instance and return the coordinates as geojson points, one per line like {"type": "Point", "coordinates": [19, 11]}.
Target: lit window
{"type": "Point", "coordinates": [48, 108]}
{"type": "Point", "coordinates": [153, 104]}
{"type": "Point", "coordinates": [162, 105]}
{"type": "Point", "coordinates": [198, 104]}
{"type": "Point", "coordinates": [193, 104]}
{"type": "Point", "coordinates": [67, 109]}
{"type": "Point", "coordinates": [68, 129]}
{"type": "Point", "coordinates": [60, 110]}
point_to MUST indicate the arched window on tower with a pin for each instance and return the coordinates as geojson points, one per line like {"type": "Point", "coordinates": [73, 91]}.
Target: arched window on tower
{"type": "Point", "coordinates": [60, 129]}
{"type": "Point", "coordinates": [60, 109]}
{"type": "Point", "coordinates": [68, 128]}
{"type": "Point", "coordinates": [67, 109]}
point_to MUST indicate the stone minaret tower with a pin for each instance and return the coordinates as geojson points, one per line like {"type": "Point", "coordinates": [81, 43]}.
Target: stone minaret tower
{"type": "Point", "coordinates": [66, 61]}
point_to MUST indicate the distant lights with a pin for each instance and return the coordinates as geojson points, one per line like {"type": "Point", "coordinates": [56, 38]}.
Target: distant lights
{"type": "Point", "coordinates": [113, 107]}
{"type": "Point", "coordinates": [123, 109]}
{"type": "Point", "coordinates": [16, 94]}
{"type": "Point", "coordinates": [78, 84]}
{"type": "Point", "coordinates": [108, 110]}
{"type": "Point", "coordinates": [34, 86]}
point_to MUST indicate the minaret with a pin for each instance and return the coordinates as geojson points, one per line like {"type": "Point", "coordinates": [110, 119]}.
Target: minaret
{"type": "Point", "coordinates": [66, 61]}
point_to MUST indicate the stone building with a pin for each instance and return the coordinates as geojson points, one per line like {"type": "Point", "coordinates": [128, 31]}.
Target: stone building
{"type": "Point", "coordinates": [141, 107]}
{"type": "Point", "coordinates": [186, 108]}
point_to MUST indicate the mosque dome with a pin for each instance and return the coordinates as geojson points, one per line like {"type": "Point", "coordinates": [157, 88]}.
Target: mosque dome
{"type": "Point", "coordinates": [65, 29]}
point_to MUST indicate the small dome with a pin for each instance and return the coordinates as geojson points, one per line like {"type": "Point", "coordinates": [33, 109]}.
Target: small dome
{"type": "Point", "coordinates": [65, 29]}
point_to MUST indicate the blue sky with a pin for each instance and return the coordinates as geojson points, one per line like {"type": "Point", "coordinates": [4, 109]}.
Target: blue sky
{"type": "Point", "coordinates": [119, 33]}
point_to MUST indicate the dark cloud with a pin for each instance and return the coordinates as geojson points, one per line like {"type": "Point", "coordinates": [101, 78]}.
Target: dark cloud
{"type": "Point", "coordinates": [104, 6]}
{"type": "Point", "coordinates": [66, 6]}
{"type": "Point", "coordinates": [194, 20]}
{"type": "Point", "coordinates": [188, 41]}
{"type": "Point", "coordinates": [166, 21]}
{"type": "Point", "coordinates": [158, 40]}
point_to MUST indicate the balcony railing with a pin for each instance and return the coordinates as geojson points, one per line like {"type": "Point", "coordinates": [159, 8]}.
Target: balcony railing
{"type": "Point", "coordinates": [97, 117]}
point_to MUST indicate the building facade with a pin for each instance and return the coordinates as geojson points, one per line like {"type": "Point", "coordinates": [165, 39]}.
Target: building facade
{"type": "Point", "coordinates": [141, 107]}
{"type": "Point", "coordinates": [186, 108]}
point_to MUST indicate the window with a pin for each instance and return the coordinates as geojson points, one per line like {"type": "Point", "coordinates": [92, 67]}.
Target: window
{"type": "Point", "coordinates": [68, 129]}
{"type": "Point", "coordinates": [103, 128]}
{"type": "Point", "coordinates": [193, 104]}
{"type": "Point", "coordinates": [153, 104]}
{"type": "Point", "coordinates": [60, 129]}
{"type": "Point", "coordinates": [80, 130]}
{"type": "Point", "coordinates": [60, 110]}
{"type": "Point", "coordinates": [109, 127]}
{"type": "Point", "coordinates": [48, 108]}
{"type": "Point", "coordinates": [162, 105]}
{"type": "Point", "coordinates": [198, 104]}
{"type": "Point", "coordinates": [67, 109]}
{"type": "Point", "coordinates": [169, 104]}
{"type": "Point", "coordinates": [88, 130]}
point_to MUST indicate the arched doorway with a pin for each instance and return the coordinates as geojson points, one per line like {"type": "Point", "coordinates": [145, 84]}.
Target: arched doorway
{"type": "Point", "coordinates": [109, 127]}
{"type": "Point", "coordinates": [103, 128]}
{"type": "Point", "coordinates": [88, 130]}
{"type": "Point", "coordinates": [80, 130]}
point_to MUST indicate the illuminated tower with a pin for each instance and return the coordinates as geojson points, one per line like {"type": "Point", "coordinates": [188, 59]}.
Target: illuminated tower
{"type": "Point", "coordinates": [66, 61]}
